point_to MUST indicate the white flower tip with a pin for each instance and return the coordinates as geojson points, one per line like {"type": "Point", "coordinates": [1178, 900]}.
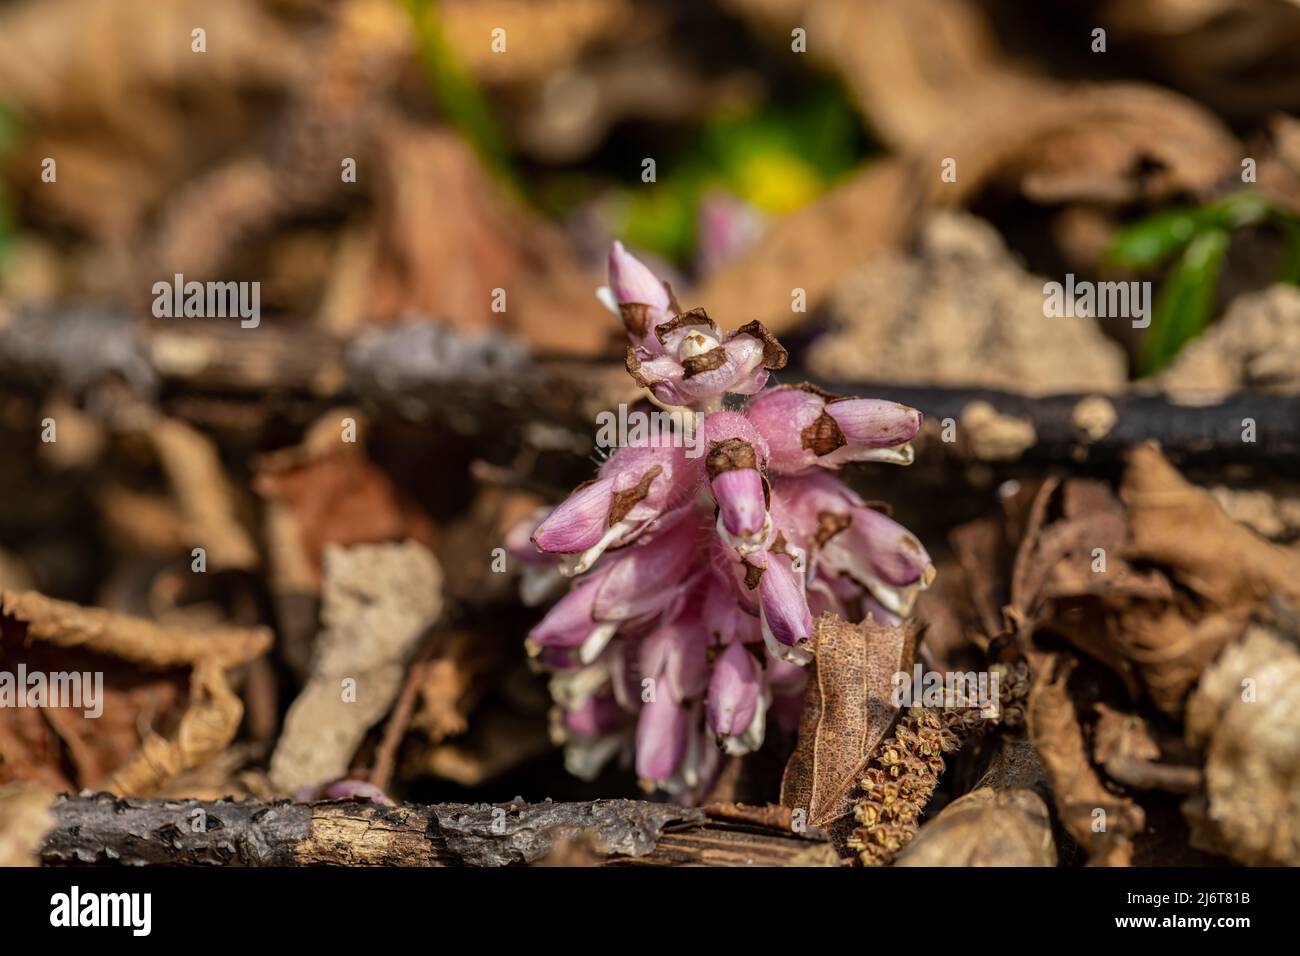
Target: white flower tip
{"type": "Point", "coordinates": [605, 296]}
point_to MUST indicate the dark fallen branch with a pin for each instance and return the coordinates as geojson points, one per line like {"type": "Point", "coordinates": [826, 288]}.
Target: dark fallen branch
{"type": "Point", "coordinates": [1095, 429]}
{"type": "Point", "coordinates": [107, 829]}
{"type": "Point", "coordinates": [423, 372]}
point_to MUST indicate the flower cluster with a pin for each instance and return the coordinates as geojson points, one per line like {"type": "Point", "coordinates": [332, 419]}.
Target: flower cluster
{"type": "Point", "coordinates": [696, 578]}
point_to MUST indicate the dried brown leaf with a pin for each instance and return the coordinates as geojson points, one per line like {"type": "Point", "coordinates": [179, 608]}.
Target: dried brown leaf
{"type": "Point", "coordinates": [207, 726]}
{"type": "Point", "coordinates": [25, 817]}
{"type": "Point", "coordinates": [135, 639]}
{"type": "Point", "coordinates": [821, 243]}
{"type": "Point", "coordinates": [378, 601]}
{"type": "Point", "coordinates": [1125, 746]}
{"type": "Point", "coordinates": [1171, 646]}
{"type": "Point", "coordinates": [332, 493]}
{"type": "Point", "coordinates": [1182, 527]}
{"type": "Point", "coordinates": [203, 494]}
{"type": "Point", "coordinates": [1243, 715]}
{"type": "Point", "coordinates": [986, 827]}
{"type": "Point", "coordinates": [1104, 823]}
{"type": "Point", "coordinates": [447, 232]}
{"type": "Point", "coordinates": [847, 711]}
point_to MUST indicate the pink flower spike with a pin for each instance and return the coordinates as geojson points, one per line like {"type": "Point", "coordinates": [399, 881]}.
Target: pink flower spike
{"type": "Point", "coordinates": [686, 560]}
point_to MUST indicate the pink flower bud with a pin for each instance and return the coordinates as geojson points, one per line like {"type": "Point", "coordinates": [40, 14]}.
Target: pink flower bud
{"type": "Point", "coordinates": [741, 502]}
{"type": "Point", "coordinates": [736, 454]}
{"type": "Point", "coordinates": [786, 619]}
{"type": "Point", "coordinates": [571, 624]}
{"type": "Point", "coordinates": [875, 423]}
{"type": "Point", "coordinates": [580, 521]}
{"type": "Point", "coordinates": [662, 733]}
{"type": "Point", "coordinates": [676, 656]}
{"type": "Point", "coordinates": [598, 714]}
{"type": "Point", "coordinates": [646, 577]}
{"type": "Point", "coordinates": [806, 427]}
{"type": "Point", "coordinates": [735, 702]}
{"type": "Point", "coordinates": [693, 363]}
{"type": "Point", "coordinates": [357, 790]}
{"type": "Point", "coordinates": [724, 615]}
{"type": "Point", "coordinates": [636, 486]}
{"type": "Point", "coordinates": [643, 299]}
{"type": "Point", "coordinates": [885, 557]}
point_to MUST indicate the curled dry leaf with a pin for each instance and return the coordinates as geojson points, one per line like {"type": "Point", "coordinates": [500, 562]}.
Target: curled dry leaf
{"type": "Point", "coordinates": [1171, 645]}
{"type": "Point", "coordinates": [986, 827]}
{"type": "Point", "coordinates": [378, 600]}
{"type": "Point", "coordinates": [1084, 571]}
{"type": "Point", "coordinates": [1102, 822]}
{"type": "Point", "coordinates": [327, 491]}
{"type": "Point", "coordinates": [1182, 527]}
{"type": "Point", "coordinates": [1243, 715]}
{"type": "Point", "coordinates": [108, 87]}
{"type": "Point", "coordinates": [25, 818]}
{"type": "Point", "coordinates": [203, 494]}
{"type": "Point", "coordinates": [207, 726]}
{"type": "Point", "coordinates": [145, 684]}
{"type": "Point", "coordinates": [135, 639]}
{"type": "Point", "coordinates": [557, 30]}
{"type": "Point", "coordinates": [1125, 746]}
{"type": "Point", "coordinates": [940, 63]}
{"type": "Point", "coordinates": [847, 710]}
{"type": "Point", "coordinates": [469, 219]}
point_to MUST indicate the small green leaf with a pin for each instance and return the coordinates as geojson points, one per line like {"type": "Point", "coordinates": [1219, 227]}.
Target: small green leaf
{"type": "Point", "coordinates": [461, 100]}
{"type": "Point", "coordinates": [1155, 239]}
{"type": "Point", "coordinates": [1151, 241]}
{"type": "Point", "coordinates": [1291, 251]}
{"type": "Point", "coordinates": [1186, 299]}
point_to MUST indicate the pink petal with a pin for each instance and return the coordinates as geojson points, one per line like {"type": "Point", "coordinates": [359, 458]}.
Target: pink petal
{"type": "Point", "coordinates": [741, 502]}
{"type": "Point", "coordinates": [733, 691]}
{"type": "Point", "coordinates": [785, 608]}
{"type": "Point", "coordinates": [875, 423]}
{"type": "Point", "coordinates": [579, 521]}
{"type": "Point", "coordinates": [632, 281]}
{"type": "Point", "coordinates": [784, 416]}
{"type": "Point", "coordinates": [571, 620]}
{"type": "Point", "coordinates": [661, 737]}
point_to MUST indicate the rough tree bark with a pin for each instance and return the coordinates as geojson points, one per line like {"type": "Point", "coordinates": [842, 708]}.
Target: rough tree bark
{"type": "Point", "coordinates": [104, 828]}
